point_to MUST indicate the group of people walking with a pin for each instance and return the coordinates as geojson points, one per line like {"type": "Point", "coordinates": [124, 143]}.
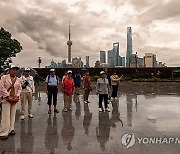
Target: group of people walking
{"type": "Point", "coordinates": [14, 89]}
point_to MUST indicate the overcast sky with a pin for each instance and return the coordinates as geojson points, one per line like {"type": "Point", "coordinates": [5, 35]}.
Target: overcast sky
{"type": "Point", "coordinates": [41, 26]}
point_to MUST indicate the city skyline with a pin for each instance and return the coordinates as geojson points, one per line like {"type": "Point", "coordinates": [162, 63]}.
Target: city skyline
{"type": "Point", "coordinates": [43, 31]}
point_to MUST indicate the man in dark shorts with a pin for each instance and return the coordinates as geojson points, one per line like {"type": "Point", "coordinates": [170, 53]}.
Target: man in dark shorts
{"type": "Point", "coordinates": [52, 83]}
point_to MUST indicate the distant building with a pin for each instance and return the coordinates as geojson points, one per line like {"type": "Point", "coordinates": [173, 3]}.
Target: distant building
{"type": "Point", "coordinates": [82, 64]}
{"type": "Point", "coordinates": [121, 61]}
{"type": "Point", "coordinates": [140, 62]}
{"type": "Point", "coordinates": [63, 64]}
{"type": "Point", "coordinates": [103, 65]}
{"type": "Point", "coordinates": [134, 64]}
{"type": "Point", "coordinates": [116, 50]}
{"type": "Point", "coordinates": [129, 46]}
{"type": "Point", "coordinates": [52, 65]}
{"type": "Point", "coordinates": [69, 44]}
{"type": "Point", "coordinates": [102, 57]}
{"type": "Point", "coordinates": [87, 62]}
{"type": "Point", "coordinates": [161, 64]}
{"type": "Point", "coordinates": [97, 64]}
{"type": "Point", "coordinates": [76, 62]}
{"type": "Point", "coordinates": [59, 65]}
{"type": "Point", "coordinates": [112, 58]}
{"type": "Point", "coordinates": [150, 60]}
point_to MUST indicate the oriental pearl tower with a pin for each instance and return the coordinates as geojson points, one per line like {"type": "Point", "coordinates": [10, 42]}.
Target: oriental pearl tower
{"type": "Point", "coordinates": [69, 44]}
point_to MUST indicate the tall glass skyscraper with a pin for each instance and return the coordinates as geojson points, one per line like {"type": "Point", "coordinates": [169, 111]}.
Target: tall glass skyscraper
{"type": "Point", "coordinates": [129, 46]}
{"type": "Point", "coordinates": [116, 49]}
{"type": "Point", "coordinates": [102, 57]}
{"type": "Point", "coordinates": [111, 58]}
{"type": "Point", "coordinates": [87, 62]}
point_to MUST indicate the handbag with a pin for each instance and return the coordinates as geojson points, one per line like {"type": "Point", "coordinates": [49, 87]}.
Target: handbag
{"type": "Point", "coordinates": [12, 100]}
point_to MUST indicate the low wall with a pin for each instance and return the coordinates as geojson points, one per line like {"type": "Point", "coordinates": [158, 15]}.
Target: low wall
{"type": "Point", "coordinates": [165, 73]}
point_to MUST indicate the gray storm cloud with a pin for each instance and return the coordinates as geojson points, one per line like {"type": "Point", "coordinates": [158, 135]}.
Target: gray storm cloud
{"type": "Point", "coordinates": [45, 24]}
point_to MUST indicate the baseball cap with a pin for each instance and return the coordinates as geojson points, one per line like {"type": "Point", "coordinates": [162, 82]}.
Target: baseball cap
{"type": "Point", "coordinates": [13, 67]}
{"type": "Point", "coordinates": [69, 72]}
{"type": "Point", "coordinates": [27, 69]}
{"type": "Point", "coordinates": [52, 70]}
{"type": "Point", "coordinates": [102, 72]}
{"type": "Point", "coordinates": [6, 70]}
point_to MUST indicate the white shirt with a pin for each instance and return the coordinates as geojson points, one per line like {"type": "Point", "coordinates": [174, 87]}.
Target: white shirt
{"type": "Point", "coordinates": [52, 80]}
{"type": "Point", "coordinates": [102, 86]}
{"type": "Point", "coordinates": [30, 87]}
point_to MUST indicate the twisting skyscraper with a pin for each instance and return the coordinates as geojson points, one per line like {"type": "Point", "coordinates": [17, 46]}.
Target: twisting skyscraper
{"type": "Point", "coordinates": [129, 46]}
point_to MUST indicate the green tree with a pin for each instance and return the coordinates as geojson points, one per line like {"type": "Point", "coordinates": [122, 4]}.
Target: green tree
{"type": "Point", "coordinates": [8, 47]}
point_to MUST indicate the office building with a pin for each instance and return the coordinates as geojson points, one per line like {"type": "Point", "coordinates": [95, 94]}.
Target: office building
{"type": "Point", "coordinates": [150, 60]}
{"type": "Point", "coordinates": [76, 62]}
{"type": "Point", "coordinates": [112, 58]}
{"type": "Point", "coordinates": [102, 57]}
{"type": "Point", "coordinates": [129, 46]}
{"type": "Point", "coordinates": [116, 50]}
{"type": "Point", "coordinates": [63, 64]}
{"type": "Point", "coordinates": [97, 64]}
{"type": "Point", "coordinates": [87, 62]}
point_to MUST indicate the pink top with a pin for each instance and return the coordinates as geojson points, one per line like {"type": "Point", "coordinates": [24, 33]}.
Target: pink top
{"type": "Point", "coordinates": [5, 83]}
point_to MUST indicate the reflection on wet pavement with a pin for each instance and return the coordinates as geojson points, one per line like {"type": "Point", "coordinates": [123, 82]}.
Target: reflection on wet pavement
{"type": "Point", "coordinates": [85, 130]}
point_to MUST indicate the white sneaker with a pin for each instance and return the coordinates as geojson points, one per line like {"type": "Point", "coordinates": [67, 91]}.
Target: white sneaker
{"type": "Point", "coordinates": [116, 98]}
{"type": "Point", "coordinates": [70, 109]}
{"type": "Point", "coordinates": [30, 116]}
{"type": "Point", "coordinates": [112, 99]}
{"type": "Point", "coordinates": [100, 110]}
{"type": "Point", "coordinates": [85, 102]}
{"type": "Point", "coordinates": [108, 109]}
{"type": "Point", "coordinates": [22, 117]}
{"type": "Point", "coordinates": [65, 109]}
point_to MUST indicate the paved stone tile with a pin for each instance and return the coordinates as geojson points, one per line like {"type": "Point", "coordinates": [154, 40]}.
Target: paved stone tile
{"type": "Point", "coordinates": [86, 131]}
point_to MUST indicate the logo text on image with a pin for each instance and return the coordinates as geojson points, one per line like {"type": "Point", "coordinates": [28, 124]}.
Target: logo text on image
{"type": "Point", "coordinates": [128, 140]}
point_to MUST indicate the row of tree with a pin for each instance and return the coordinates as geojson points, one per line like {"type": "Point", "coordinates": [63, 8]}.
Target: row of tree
{"type": "Point", "coordinates": [8, 47]}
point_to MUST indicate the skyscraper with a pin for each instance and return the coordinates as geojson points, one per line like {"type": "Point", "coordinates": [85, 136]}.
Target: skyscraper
{"type": "Point", "coordinates": [76, 62]}
{"type": "Point", "coordinates": [102, 57]}
{"type": "Point", "coordinates": [149, 60]}
{"type": "Point", "coordinates": [69, 43]}
{"type": "Point", "coordinates": [87, 62]}
{"type": "Point", "coordinates": [129, 46]}
{"type": "Point", "coordinates": [112, 58]}
{"type": "Point", "coordinates": [116, 50]}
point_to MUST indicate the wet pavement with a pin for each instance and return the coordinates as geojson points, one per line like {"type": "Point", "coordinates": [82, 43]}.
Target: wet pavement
{"type": "Point", "coordinates": [148, 110]}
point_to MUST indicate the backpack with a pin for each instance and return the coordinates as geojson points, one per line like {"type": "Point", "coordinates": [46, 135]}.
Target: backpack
{"type": "Point", "coordinates": [57, 78]}
{"type": "Point", "coordinates": [77, 78]}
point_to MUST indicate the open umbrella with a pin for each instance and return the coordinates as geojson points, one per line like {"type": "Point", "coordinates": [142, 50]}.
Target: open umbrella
{"type": "Point", "coordinates": [83, 69]}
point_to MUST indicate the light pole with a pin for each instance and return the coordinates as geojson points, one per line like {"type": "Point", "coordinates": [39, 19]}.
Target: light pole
{"type": "Point", "coordinates": [136, 61]}
{"type": "Point", "coordinates": [39, 61]}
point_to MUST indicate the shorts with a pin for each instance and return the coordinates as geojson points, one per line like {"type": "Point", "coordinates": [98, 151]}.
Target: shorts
{"type": "Point", "coordinates": [77, 85]}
